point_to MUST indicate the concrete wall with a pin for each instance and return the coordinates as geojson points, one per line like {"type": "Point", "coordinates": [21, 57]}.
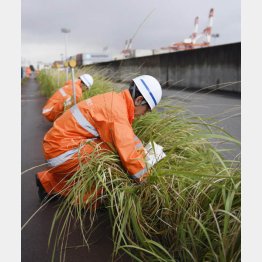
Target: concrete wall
{"type": "Point", "coordinates": [216, 67]}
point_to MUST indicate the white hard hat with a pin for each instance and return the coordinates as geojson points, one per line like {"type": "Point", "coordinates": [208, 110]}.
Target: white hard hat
{"type": "Point", "coordinates": [149, 88]}
{"type": "Point", "coordinates": [87, 79]}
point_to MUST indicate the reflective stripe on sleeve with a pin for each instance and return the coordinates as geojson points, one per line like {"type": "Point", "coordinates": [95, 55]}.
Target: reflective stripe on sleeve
{"type": "Point", "coordinates": [68, 101]}
{"type": "Point", "coordinates": [139, 174]}
{"type": "Point", "coordinates": [82, 121]}
{"type": "Point", "coordinates": [61, 158]}
{"type": "Point", "coordinates": [138, 146]}
{"type": "Point", "coordinates": [47, 110]}
{"type": "Point", "coordinates": [136, 138]}
{"type": "Point", "coordinates": [62, 91]}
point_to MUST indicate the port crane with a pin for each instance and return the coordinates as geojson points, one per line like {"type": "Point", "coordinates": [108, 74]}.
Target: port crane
{"type": "Point", "coordinates": [191, 42]}
{"type": "Point", "coordinates": [127, 51]}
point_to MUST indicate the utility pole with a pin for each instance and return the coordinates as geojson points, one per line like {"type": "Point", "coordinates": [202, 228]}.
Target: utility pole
{"type": "Point", "coordinates": [66, 31]}
{"type": "Point", "coordinates": [72, 65]}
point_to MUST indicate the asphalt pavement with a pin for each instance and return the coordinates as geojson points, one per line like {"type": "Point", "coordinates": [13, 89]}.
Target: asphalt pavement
{"type": "Point", "coordinates": [220, 108]}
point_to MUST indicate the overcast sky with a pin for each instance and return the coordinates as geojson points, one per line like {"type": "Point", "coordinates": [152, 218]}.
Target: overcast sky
{"type": "Point", "coordinates": [95, 24]}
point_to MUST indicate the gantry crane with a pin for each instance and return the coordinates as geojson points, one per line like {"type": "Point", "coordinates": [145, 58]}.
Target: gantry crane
{"type": "Point", "coordinates": [191, 42]}
{"type": "Point", "coordinates": [127, 51]}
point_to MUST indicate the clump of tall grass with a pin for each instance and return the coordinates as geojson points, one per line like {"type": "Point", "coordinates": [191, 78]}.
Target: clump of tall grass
{"type": "Point", "coordinates": [24, 80]}
{"type": "Point", "coordinates": [47, 82]}
{"type": "Point", "coordinates": [187, 210]}
{"type": "Point", "coordinates": [50, 80]}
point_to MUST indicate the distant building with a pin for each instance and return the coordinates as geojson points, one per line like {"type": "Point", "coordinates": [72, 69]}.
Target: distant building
{"type": "Point", "coordinates": [92, 58]}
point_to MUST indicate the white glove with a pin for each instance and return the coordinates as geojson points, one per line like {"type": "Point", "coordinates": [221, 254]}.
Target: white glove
{"type": "Point", "coordinates": [154, 153]}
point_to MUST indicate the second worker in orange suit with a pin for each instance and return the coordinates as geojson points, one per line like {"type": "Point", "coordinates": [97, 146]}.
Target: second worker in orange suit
{"type": "Point", "coordinates": [62, 98]}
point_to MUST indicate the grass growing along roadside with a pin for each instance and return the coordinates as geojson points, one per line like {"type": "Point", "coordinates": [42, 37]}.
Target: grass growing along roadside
{"type": "Point", "coordinates": [24, 80]}
{"type": "Point", "coordinates": [189, 208]}
{"type": "Point", "coordinates": [51, 80]}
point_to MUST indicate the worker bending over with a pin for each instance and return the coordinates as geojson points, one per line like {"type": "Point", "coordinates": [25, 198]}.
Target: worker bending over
{"type": "Point", "coordinates": [62, 98]}
{"type": "Point", "coordinates": [102, 119]}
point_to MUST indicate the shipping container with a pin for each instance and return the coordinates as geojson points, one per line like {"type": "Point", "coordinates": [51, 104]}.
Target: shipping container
{"type": "Point", "coordinates": [141, 52]}
{"type": "Point", "coordinates": [92, 58]}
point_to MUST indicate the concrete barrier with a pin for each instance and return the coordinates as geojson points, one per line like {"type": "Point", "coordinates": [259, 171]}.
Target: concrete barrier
{"type": "Point", "coordinates": [215, 67]}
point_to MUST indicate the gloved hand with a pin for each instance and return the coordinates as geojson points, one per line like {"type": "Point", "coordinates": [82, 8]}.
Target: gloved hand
{"type": "Point", "coordinates": [154, 153]}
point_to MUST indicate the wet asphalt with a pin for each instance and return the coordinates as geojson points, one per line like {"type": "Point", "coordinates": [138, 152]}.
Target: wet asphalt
{"type": "Point", "coordinates": [219, 108]}
{"type": "Point", "coordinates": [224, 108]}
{"type": "Point", "coordinates": [37, 218]}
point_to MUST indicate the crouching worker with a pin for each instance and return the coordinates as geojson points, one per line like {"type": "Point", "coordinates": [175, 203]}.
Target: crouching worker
{"type": "Point", "coordinates": [104, 118]}
{"type": "Point", "coordinates": [62, 98]}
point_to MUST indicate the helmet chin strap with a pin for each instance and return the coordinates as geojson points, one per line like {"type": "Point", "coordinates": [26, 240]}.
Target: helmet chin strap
{"type": "Point", "coordinates": [133, 96]}
{"type": "Point", "coordinates": [133, 91]}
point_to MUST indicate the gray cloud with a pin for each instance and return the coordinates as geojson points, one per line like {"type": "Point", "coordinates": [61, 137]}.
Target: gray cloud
{"type": "Point", "coordinates": [95, 24]}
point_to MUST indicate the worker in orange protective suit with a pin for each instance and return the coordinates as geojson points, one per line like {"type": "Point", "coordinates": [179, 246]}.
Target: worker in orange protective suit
{"type": "Point", "coordinates": [105, 118]}
{"type": "Point", "coordinates": [28, 71]}
{"type": "Point", "coordinates": [62, 98]}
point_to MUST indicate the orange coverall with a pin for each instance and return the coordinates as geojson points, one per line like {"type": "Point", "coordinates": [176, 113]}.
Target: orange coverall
{"type": "Point", "coordinates": [28, 71]}
{"type": "Point", "coordinates": [104, 118]}
{"type": "Point", "coordinates": [61, 98]}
